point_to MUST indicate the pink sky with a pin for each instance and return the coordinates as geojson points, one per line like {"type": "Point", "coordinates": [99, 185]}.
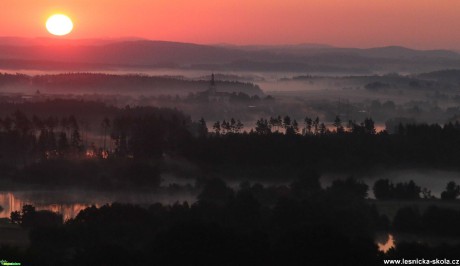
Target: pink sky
{"type": "Point", "coordinates": [424, 24]}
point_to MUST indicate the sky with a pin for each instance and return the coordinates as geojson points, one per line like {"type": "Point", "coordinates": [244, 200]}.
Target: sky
{"type": "Point", "coordinates": [421, 24]}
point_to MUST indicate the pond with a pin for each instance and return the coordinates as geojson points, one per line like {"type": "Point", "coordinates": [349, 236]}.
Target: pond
{"type": "Point", "coordinates": [387, 244]}
{"type": "Point", "coordinates": [70, 202]}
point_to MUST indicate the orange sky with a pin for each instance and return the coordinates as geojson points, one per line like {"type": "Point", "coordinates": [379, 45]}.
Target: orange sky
{"type": "Point", "coordinates": [422, 24]}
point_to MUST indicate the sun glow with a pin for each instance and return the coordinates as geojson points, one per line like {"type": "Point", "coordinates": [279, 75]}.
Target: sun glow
{"type": "Point", "coordinates": [59, 25]}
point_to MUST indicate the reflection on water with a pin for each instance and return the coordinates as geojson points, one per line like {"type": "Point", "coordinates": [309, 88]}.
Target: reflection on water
{"type": "Point", "coordinates": [390, 243]}
{"type": "Point", "coordinates": [70, 203]}
{"type": "Point", "coordinates": [11, 203]}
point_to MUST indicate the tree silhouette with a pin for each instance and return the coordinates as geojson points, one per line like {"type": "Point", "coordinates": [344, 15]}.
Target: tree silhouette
{"type": "Point", "coordinates": [287, 122]}
{"type": "Point", "coordinates": [338, 125]}
{"type": "Point", "coordinates": [315, 125]}
{"type": "Point", "coordinates": [262, 127]}
{"type": "Point", "coordinates": [308, 124]}
{"type": "Point", "coordinates": [202, 128]}
{"type": "Point", "coordinates": [322, 129]}
{"type": "Point", "coordinates": [383, 189]}
{"type": "Point", "coordinates": [349, 188]}
{"type": "Point", "coordinates": [105, 124]}
{"type": "Point", "coordinates": [216, 127]}
{"type": "Point", "coordinates": [63, 143]}
{"type": "Point", "coordinates": [215, 191]}
{"type": "Point", "coordinates": [238, 126]}
{"type": "Point", "coordinates": [452, 191]}
{"type": "Point", "coordinates": [369, 126]}
{"type": "Point", "coordinates": [226, 127]}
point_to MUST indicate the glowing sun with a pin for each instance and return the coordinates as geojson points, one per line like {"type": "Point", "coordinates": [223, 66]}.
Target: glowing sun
{"type": "Point", "coordinates": [59, 25]}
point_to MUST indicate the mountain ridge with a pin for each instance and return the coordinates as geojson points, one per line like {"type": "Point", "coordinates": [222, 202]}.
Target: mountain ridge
{"type": "Point", "coordinates": [155, 53]}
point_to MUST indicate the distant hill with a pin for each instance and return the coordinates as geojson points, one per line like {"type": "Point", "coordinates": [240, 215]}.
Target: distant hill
{"type": "Point", "coordinates": [45, 41]}
{"type": "Point", "coordinates": [402, 52]}
{"type": "Point", "coordinates": [134, 53]}
{"type": "Point", "coordinates": [20, 53]}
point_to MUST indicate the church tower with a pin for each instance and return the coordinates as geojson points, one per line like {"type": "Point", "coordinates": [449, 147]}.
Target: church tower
{"type": "Point", "coordinates": [212, 85]}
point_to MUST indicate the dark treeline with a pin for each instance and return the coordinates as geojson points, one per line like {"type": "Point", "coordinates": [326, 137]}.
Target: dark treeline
{"type": "Point", "coordinates": [255, 225]}
{"type": "Point", "coordinates": [83, 109]}
{"type": "Point", "coordinates": [100, 83]}
{"type": "Point", "coordinates": [138, 129]}
{"type": "Point", "coordinates": [52, 151]}
{"type": "Point", "coordinates": [294, 224]}
{"type": "Point", "coordinates": [225, 227]}
{"type": "Point", "coordinates": [434, 221]}
{"type": "Point", "coordinates": [277, 148]}
{"type": "Point", "coordinates": [384, 189]}
{"type": "Point", "coordinates": [357, 147]}
{"type": "Point", "coordinates": [234, 98]}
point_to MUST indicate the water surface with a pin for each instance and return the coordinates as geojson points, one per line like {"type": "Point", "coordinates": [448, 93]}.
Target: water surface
{"type": "Point", "coordinates": [70, 202]}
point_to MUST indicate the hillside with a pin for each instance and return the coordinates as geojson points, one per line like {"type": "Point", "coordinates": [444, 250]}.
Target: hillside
{"type": "Point", "coordinates": [134, 53]}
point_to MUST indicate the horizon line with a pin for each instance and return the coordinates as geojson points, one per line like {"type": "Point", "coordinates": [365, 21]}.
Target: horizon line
{"type": "Point", "coordinates": [223, 44]}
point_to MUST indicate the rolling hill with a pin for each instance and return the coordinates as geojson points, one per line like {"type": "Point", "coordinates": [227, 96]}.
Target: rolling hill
{"type": "Point", "coordinates": [20, 53]}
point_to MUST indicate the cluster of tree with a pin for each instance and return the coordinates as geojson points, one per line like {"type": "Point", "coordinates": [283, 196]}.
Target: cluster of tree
{"type": "Point", "coordinates": [311, 126]}
{"type": "Point", "coordinates": [233, 97]}
{"type": "Point", "coordinates": [358, 149]}
{"type": "Point", "coordinates": [50, 151]}
{"type": "Point", "coordinates": [113, 173]}
{"type": "Point", "coordinates": [301, 223]}
{"type": "Point", "coordinates": [29, 217]}
{"type": "Point", "coordinates": [21, 136]}
{"type": "Point", "coordinates": [144, 132]}
{"type": "Point", "coordinates": [442, 75]}
{"type": "Point", "coordinates": [434, 221]}
{"type": "Point", "coordinates": [384, 189]}
{"type": "Point", "coordinates": [452, 191]}
{"type": "Point", "coordinates": [365, 127]}
{"type": "Point", "coordinates": [243, 97]}
{"type": "Point", "coordinates": [148, 133]}
{"type": "Point", "coordinates": [275, 124]}
{"type": "Point", "coordinates": [91, 109]}
{"type": "Point", "coordinates": [226, 127]}
{"type": "Point", "coordinates": [225, 227]}
{"type": "Point", "coordinates": [377, 85]}
{"type": "Point", "coordinates": [422, 130]}
{"type": "Point", "coordinates": [140, 132]}
{"type": "Point", "coordinates": [109, 82]}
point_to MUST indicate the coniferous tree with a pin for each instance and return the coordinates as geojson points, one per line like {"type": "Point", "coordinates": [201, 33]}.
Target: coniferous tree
{"type": "Point", "coordinates": [262, 127]}
{"type": "Point", "coordinates": [452, 191]}
{"type": "Point", "coordinates": [202, 128]}
{"type": "Point", "coordinates": [338, 125]}
{"type": "Point", "coordinates": [105, 124]}
{"type": "Point", "coordinates": [216, 127]}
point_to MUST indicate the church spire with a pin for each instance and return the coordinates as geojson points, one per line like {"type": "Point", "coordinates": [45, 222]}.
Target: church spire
{"type": "Point", "coordinates": [212, 85]}
{"type": "Point", "coordinates": [213, 82]}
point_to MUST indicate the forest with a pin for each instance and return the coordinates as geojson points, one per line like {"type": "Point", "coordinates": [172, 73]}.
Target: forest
{"type": "Point", "coordinates": [254, 223]}
{"type": "Point", "coordinates": [274, 148]}
{"type": "Point", "coordinates": [229, 133]}
{"type": "Point", "coordinates": [113, 83]}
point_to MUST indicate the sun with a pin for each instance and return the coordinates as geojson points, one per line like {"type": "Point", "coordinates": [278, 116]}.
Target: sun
{"type": "Point", "coordinates": [59, 25]}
